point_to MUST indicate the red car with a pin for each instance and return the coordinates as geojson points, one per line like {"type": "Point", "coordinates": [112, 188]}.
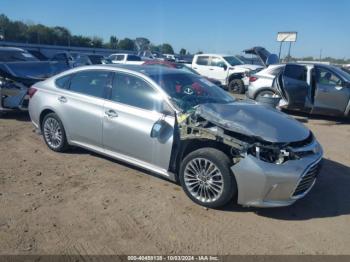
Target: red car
{"type": "Point", "coordinates": [179, 66]}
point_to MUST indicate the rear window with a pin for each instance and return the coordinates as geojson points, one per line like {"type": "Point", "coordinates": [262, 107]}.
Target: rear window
{"type": "Point", "coordinates": [202, 60]}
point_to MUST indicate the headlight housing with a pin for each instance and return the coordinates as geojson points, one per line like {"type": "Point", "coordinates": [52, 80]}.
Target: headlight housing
{"type": "Point", "coordinates": [272, 154]}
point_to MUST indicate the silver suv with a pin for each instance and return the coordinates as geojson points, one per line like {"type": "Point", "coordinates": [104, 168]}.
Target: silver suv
{"type": "Point", "coordinates": [183, 127]}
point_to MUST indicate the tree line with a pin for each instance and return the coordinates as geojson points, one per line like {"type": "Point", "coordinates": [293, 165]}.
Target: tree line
{"type": "Point", "coordinates": [18, 31]}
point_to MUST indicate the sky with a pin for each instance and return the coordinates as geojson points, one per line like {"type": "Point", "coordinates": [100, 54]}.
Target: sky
{"type": "Point", "coordinates": [216, 26]}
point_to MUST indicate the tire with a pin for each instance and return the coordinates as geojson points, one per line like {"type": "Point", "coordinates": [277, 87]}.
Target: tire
{"type": "Point", "coordinates": [222, 182]}
{"type": "Point", "coordinates": [264, 91]}
{"type": "Point", "coordinates": [236, 86]}
{"type": "Point", "coordinates": [54, 133]}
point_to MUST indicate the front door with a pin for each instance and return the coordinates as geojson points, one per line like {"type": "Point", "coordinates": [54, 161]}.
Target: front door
{"type": "Point", "coordinates": [130, 114]}
{"type": "Point", "coordinates": [218, 69]}
{"type": "Point", "coordinates": [201, 65]}
{"type": "Point", "coordinates": [331, 96]}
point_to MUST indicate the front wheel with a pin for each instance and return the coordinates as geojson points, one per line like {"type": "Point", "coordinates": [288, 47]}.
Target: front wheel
{"type": "Point", "coordinates": [236, 86]}
{"type": "Point", "coordinates": [206, 178]}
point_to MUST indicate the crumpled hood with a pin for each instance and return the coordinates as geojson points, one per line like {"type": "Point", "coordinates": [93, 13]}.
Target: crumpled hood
{"type": "Point", "coordinates": [256, 120]}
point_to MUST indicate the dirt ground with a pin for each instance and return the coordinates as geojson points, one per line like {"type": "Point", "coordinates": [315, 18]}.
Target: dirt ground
{"type": "Point", "coordinates": [82, 203]}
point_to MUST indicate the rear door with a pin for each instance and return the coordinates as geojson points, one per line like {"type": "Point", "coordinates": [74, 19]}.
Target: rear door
{"type": "Point", "coordinates": [201, 65]}
{"type": "Point", "coordinates": [81, 107]}
{"type": "Point", "coordinates": [331, 95]}
{"type": "Point", "coordinates": [294, 86]}
{"type": "Point", "coordinates": [130, 114]}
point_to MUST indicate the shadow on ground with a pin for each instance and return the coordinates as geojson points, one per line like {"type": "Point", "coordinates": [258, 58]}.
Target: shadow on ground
{"type": "Point", "coordinates": [330, 197]}
{"type": "Point", "coordinates": [330, 120]}
{"type": "Point", "coordinates": [20, 116]}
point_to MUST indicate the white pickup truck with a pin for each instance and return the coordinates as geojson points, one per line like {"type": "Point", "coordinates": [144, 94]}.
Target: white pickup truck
{"type": "Point", "coordinates": [228, 69]}
{"type": "Point", "coordinates": [125, 59]}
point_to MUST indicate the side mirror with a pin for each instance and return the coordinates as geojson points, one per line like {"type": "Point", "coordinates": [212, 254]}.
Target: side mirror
{"type": "Point", "coordinates": [162, 130]}
{"type": "Point", "coordinates": [224, 67]}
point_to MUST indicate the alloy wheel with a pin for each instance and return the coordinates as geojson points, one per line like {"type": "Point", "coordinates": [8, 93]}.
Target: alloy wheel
{"type": "Point", "coordinates": [203, 180]}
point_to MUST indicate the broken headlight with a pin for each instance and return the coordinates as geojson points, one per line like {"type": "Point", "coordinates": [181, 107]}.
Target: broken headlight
{"type": "Point", "coordinates": [271, 154]}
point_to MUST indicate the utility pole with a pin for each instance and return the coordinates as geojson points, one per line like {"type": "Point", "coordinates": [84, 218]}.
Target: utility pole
{"type": "Point", "coordinates": [290, 45]}
{"type": "Point", "coordinates": [2, 34]}
{"type": "Point", "coordinates": [279, 54]}
{"type": "Point", "coordinates": [321, 54]}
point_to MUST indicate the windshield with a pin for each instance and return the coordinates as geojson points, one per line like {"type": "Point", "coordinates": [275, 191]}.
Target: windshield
{"type": "Point", "coordinates": [15, 56]}
{"type": "Point", "coordinates": [189, 90]}
{"type": "Point", "coordinates": [232, 60]}
{"type": "Point", "coordinates": [342, 73]}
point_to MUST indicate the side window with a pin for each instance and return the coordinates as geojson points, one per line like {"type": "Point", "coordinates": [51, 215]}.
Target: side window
{"type": "Point", "coordinates": [133, 58]}
{"type": "Point", "coordinates": [202, 60]}
{"type": "Point", "coordinates": [296, 72]}
{"type": "Point", "coordinates": [217, 61]}
{"type": "Point", "coordinates": [134, 91]}
{"type": "Point", "coordinates": [325, 77]}
{"type": "Point", "coordinates": [63, 82]}
{"type": "Point", "coordinates": [119, 57]}
{"type": "Point", "coordinates": [91, 83]}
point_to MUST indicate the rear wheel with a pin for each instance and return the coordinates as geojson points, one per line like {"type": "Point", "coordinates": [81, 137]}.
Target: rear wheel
{"type": "Point", "coordinates": [53, 133]}
{"type": "Point", "coordinates": [236, 86]}
{"type": "Point", "coordinates": [206, 178]}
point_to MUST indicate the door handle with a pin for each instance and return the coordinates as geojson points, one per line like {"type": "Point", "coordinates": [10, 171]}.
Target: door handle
{"type": "Point", "coordinates": [111, 113]}
{"type": "Point", "coordinates": [194, 67]}
{"type": "Point", "coordinates": [62, 99]}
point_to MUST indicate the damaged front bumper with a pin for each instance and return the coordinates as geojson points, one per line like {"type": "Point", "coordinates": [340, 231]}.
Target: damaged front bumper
{"type": "Point", "coordinates": [263, 184]}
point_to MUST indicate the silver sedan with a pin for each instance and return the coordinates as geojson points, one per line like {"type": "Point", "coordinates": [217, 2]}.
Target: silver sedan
{"type": "Point", "coordinates": [183, 127]}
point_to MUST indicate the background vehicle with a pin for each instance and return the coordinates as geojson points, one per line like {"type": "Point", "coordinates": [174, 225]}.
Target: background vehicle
{"type": "Point", "coordinates": [18, 71]}
{"type": "Point", "coordinates": [316, 89]}
{"type": "Point", "coordinates": [183, 127]}
{"type": "Point", "coordinates": [179, 66]}
{"type": "Point", "coordinates": [129, 59]}
{"type": "Point", "coordinates": [229, 70]}
{"type": "Point", "coordinates": [12, 54]}
{"type": "Point", "coordinates": [74, 59]}
{"type": "Point", "coordinates": [260, 83]}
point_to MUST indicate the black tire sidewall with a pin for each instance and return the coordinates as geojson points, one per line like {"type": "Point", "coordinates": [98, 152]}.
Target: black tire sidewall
{"type": "Point", "coordinates": [240, 86]}
{"type": "Point", "coordinates": [223, 163]}
{"type": "Point", "coordinates": [64, 143]}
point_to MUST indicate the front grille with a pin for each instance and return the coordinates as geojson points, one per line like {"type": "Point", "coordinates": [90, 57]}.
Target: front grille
{"type": "Point", "coordinates": [307, 180]}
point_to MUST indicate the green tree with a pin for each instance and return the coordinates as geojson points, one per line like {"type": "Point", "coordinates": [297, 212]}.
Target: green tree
{"type": "Point", "coordinates": [97, 42]}
{"type": "Point", "coordinates": [167, 49]}
{"type": "Point", "coordinates": [126, 44]}
{"type": "Point", "coordinates": [183, 51]}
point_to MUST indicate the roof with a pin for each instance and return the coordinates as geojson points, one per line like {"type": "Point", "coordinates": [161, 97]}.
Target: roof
{"type": "Point", "coordinates": [141, 69]}
{"type": "Point", "coordinates": [207, 54]}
